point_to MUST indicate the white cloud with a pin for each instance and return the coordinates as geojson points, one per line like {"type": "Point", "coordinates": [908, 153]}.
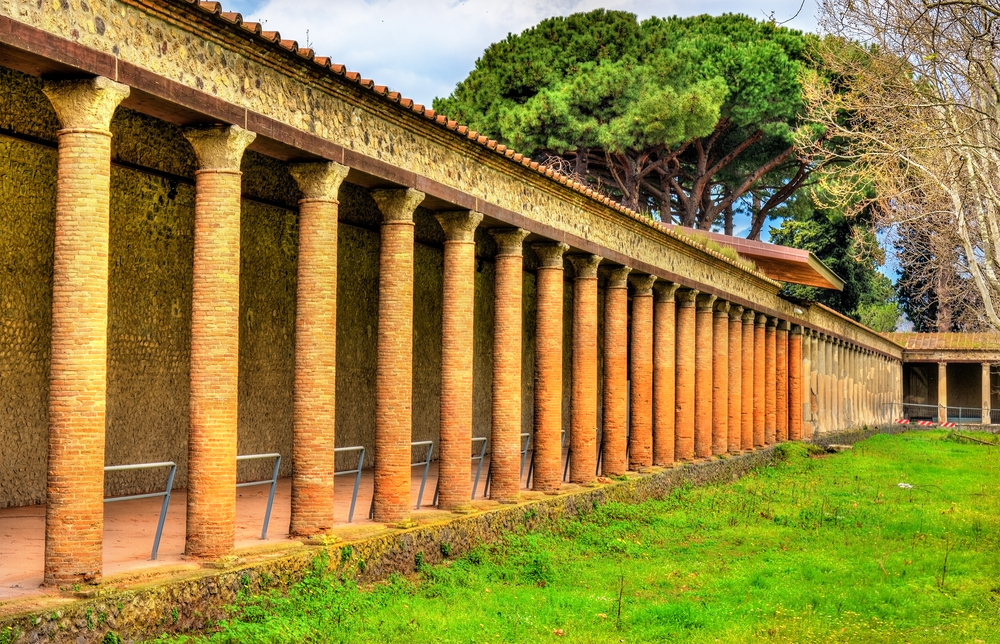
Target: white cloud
{"type": "Point", "coordinates": [422, 48]}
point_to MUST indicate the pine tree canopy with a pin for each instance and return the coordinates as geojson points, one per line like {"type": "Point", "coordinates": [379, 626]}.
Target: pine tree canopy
{"type": "Point", "coordinates": [679, 116]}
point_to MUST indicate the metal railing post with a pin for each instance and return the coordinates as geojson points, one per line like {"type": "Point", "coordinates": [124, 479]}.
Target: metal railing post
{"type": "Point", "coordinates": [356, 471]}
{"type": "Point", "coordinates": [165, 494]}
{"type": "Point", "coordinates": [273, 481]}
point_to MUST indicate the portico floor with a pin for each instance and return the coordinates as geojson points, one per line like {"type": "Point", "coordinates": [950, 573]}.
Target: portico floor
{"type": "Point", "coordinates": [129, 528]}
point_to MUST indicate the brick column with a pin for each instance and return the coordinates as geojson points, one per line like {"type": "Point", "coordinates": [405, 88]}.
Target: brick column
{"type": "Point", "coordinates": [684, 375]}
{"type": "Point", "coordinates": [313, 405]}
{"type": "Point", "coordinates": [547, 456]}
{"type": "Point", "coordinates": [74, 509]}
{"type": "Point", "coordinates": [795, 370]}
{"type": "Point", "coordinates": [759, 370]}
{"type": "Point", "coordinates": [985, 392]}
{"type": "Point", "coordinates": [394, 356]}
{"type": "Point", "coordinates": [770, 381]}
{"type": "Point", "coordinates": [720, 379]}
{"type": "Point", "coordinates": [748, 410]}
{"type": "Point", "coordinates": [703, 376]}
{"type": "Point", "coordinates": [505, 434]}
{"type": "Point", "coordinates": [781, 382]}
{"type": "Point", "coordinates": [641, 376]}
{"type": "Point", "coordinates": [458, 304]}
{"type": "Point", "coordinates": [942, 392]}
{"type": "Point", "coordinates": [615, 419]}
{"type": "Point", "coordinates": [664, 381]}
{"type": "Point", "coordinates": [583, 406]}
{"type": "Point", "coordinates": [215, 343]}
{"type": "Point", "coordinates": [735, 416]}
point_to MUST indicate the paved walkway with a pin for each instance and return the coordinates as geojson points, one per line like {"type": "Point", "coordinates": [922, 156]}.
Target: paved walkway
{"type": "Point", "coordinates": [129, 528]}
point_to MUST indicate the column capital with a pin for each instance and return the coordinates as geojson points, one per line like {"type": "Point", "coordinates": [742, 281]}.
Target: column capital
{"type": "Point", "coordinates": [798, 330]}
{"type": "Point", "coordinates": [722, 308]}
{"type": "Point", "coordinates": [705, 301]}
{"type": "Point", "coordinates": [319, 180]}
{"type": "Point", "coordinates": [643, 284]}
{"type": "Point", "coordinates": [397, 204]}
{"type": "Point", "coordinates": [618, 277]}
{"type": "Point", "coordinates": [509, 241]}
{"type": "Point", "coordinates": [749, 316]}
{"type": "Point", "coordinates": [459, 225]}
{"type": "Point", "coordinates": [761, 320]}
{"type": "Point", "coordinates": [85, 104]}
{"type": "Point", "coordinates": [585, 266]}
{"type": "Point", "coordinates": [665, 291]}
{"type": "Point", "coordinates": [772, 323]}
{"type": "Point", "coordinates": [550, 254]}
{"type": "Point", "coordinates": [687, 296]}
{"type": "Point", "coordinates": [219, 147]}
{"type": "Point", "coordinates": [735, 312]}
{"type": "Point", "coordinates": [784, 325]}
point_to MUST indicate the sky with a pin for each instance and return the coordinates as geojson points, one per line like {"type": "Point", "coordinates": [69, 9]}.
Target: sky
{"type": "Point", "coordinates": [423, 48]}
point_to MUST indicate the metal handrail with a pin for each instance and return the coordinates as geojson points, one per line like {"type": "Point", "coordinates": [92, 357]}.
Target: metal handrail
{"type": "Point", "coordinates": [273, 481]}
{"type": "Point", "coordinates": [357, 471]}
{"type": "Point", "coordinates": [165, 494]}
{"type": "Point", "coordinates": [479, 468]}
{"type": "Point", "coordinates": [531, 465]}
{"type": "Point", "coordinates": [423, 480]}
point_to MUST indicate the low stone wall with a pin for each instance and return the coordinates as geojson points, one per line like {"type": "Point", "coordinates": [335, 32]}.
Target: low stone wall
{"type": "Point", "coordinates": [193, 599]}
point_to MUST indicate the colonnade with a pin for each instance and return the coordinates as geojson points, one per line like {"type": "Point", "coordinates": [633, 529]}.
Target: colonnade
{"type": "Point", "coordinates": [705, 377]}
{"type": "Point", "coordinates": [849, 385]}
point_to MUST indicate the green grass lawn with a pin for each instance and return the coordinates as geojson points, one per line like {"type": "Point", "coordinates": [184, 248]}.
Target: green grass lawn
{"type": "Point", "coordinates": [830, 549]}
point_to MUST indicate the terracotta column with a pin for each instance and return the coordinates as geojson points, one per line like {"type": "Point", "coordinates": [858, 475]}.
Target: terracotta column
{"type": "Point", "coordinates": [457, 324]}
{"type": "Point", "coordinates": [838, 385]}
{"type": "Point", "coordinates": [74, 510]}
{"type": "Point", "coordinates": [215, 344]}
{"type": "Point", "coordinates": [583, 406]}
{"type": "Point", "coordinates": [505, 439]}
{"type": "Point", "coordinates": [985, 419]}
{"type": "Point", "coordinates": [703, 376]}
{"type": "Point", "coordinates": [735, 396]}
{"type": "Point", "coordinates": [664, 381]}
{"type": "Point", "coordinates": [795, 371]}
{"type": "Point", "coordinates": [394, 358]}
{"type": "Point", "coordinates": [942, 392]}
{"type": "Point", "coordinates": [759, 381]}
{"type": "Point", "coordinates": [615, 416]}
{"type": "Point", "coordinates": [684, 375]}
{"type": "Point", "coordinates": [748, 409]}
{"type": "Point", "coordinates": [313, 403]}
{"type": "Point", "coordinates": [641, 374]}
{"type": "Point", "coordinates": [547, 454]}
{"type": "Point", "coordinates": [720, 379]}
{"type": "Point", "coordinates": [770, 379]}
{"type": "Point", "coordinates": [781, 381]}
